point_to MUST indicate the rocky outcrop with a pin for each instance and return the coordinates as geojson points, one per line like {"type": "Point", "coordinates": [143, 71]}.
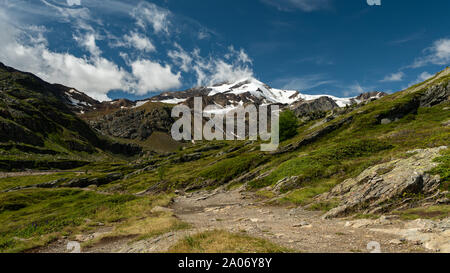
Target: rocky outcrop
{"type": "Point", "coordinates": [435, 95]}
{"type": "Point", "coordinates": [369, 96]}
{"type": "Point", "coordinates": [387, 186]}
{"type": "Point", "coordinates": [135, 123]}
{"type": "Point", "coordinates": [309, 108]}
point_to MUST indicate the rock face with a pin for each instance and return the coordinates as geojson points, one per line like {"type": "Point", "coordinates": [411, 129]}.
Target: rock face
{"type": "Point", "coordinates": [370, 96]}
{"type": "Point", "coordinates": [435, 95]}
{"type": "Point", "coordinates": [388, 185]}
{"type": "Point", "coordinates": [321, 105]}
{"type": "Point", "coordinates": [135, 123]}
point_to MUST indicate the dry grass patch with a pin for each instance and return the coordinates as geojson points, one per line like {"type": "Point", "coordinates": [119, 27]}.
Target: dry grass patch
{"type": "Point", "coordinates": [219, 241]}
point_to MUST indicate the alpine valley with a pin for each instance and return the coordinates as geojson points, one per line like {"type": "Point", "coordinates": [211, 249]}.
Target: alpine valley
{"type": "Point", "coordinates": [109, 176]}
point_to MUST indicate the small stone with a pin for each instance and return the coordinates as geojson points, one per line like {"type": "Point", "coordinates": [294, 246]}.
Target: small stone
{"type": "Point", "coordinates": [301, 224]}
{"type": "Point", "coordinates": [386, 121]}
{"type": "Point", "coordinates": [395, 242]}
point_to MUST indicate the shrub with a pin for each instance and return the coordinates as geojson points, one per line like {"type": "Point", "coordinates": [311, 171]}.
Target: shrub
{"type": "Point", "coordinates": [288, 125]}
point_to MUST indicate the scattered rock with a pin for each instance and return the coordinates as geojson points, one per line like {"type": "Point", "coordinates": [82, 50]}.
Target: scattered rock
{"type": "Point", "coordinates": [433, 235]}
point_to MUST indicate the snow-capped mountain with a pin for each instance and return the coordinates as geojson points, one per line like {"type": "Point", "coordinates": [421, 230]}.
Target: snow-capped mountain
{"type": "Point", "coordinates": [229, 95]}
{"type": "Point", "coordinates": [224, 97]}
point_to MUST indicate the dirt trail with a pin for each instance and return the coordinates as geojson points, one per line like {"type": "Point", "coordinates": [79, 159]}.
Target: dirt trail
{"type": "Point", "coordinates": [298, 229]}
{"type": "Point", "coordinates": [236, 211]}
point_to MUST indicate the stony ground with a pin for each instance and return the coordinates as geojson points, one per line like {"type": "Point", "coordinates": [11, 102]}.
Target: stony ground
{"type": "Point", "coordinates": [297, 229]}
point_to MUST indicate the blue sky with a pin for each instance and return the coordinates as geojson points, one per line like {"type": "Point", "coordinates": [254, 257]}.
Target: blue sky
{"type": "Point", "coordinates": [136, 49]}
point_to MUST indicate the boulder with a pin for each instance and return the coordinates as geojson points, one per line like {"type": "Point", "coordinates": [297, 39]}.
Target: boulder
{"type": "Point", "coordinates": [379, 188]}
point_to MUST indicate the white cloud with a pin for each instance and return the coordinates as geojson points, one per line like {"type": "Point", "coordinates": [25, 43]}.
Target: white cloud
{"type": "Point", "coordinates": [438, 54]}
{"type": "Point", "coordinates": [153, 76]}
{"type": "Point", "coordinates": [181, 58]}
{"type": "Point", "coordinates": [26, 49]}
{"type": "Point", "coordinates": [304, 5]}
{"type": "Point", "coordinates": [94, 77]}
{"type": "Point", "coordinates": [70, 12]}
{"type": "Point", "coordinates": [394, 77]}
{"type": "Point", "coordinates": [424, 76]}
{"type": "Point", "coordinates": [420, 78]}
{"type": "Point", "coordinates": [151, 14]}
{"type": "Point", "coordinates": [215, 70]}
{"type": "Point", "coordinates": [139, 42]}
{"type": "Point", "coordinates": [211, 70]}
{"type": "Point", "coordinates": [356, 89]}
{"type": "Point", "coordinates": [73, 2]}
{"type": "Point", "coordinates": [88, 41]}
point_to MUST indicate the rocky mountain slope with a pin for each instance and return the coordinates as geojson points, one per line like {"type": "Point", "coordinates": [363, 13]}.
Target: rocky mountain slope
{"type": "Point", "coordinates": [36, 118]}
{"type": "Point", "coordinates": [138, 120]}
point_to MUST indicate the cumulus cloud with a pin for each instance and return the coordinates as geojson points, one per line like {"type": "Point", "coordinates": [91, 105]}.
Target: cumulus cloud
{"type": "Point", "coordinates": [150, 14]}
{"type": "Point", "coordinates": [153, 76]}
{"type": "Point", "coordinates": [394, 77]}
{"type": "Point", "coordinates": [304, 5]}
{"type": "Point", "coordinates": [438, 54]}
